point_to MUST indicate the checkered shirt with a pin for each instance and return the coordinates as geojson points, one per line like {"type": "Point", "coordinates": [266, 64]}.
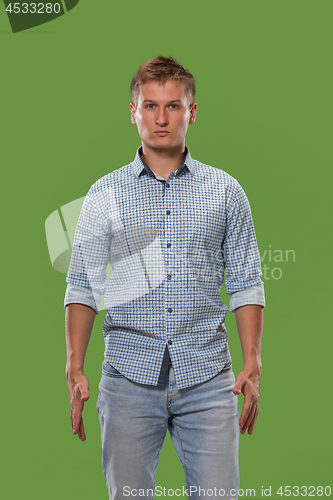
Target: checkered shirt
{"type": "Point", "coordinates": [169, 245]}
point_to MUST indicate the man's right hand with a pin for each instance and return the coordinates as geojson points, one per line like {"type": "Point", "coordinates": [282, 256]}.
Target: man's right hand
{"type": "Point", "coordinates": [78, 387]}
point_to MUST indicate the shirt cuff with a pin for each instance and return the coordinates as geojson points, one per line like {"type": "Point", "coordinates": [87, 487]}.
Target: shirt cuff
{"type": "Point", "coordinates": [253, 295]}
{"type": "Point", "coordinates": [76, 294]}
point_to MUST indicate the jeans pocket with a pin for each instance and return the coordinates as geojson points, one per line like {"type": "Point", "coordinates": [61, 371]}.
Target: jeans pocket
{"type": "Point", "coordinates": [109, 370]}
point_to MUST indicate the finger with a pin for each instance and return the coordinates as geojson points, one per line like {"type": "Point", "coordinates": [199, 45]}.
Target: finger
{"type": "Point", "coordinates": [249, 418]}
{"type": "Point", "coordinates": [236, 390]}
{"type": "Point", "coordinates": [239, 384]}
{"type": "Point", "coordinates": [84, 395]}
{"type": "Point", "coordinates": [77, 415]}
{"type": "Point", "coordinates": [252, 424]}
{"type": "Point", "coordinates": [78, 397]}
{"type": "Point", "coordinates": [248, 421]}
{"type": "Point", "coordinates": [83, 389]}
{"type": "Point", "coordinates": [72, 417]}
{"type": "Point", "coordinates": [81, 433]}
{"type": "Point", "coordinates": [244, 419]}
{"type": "Point", "coordinates": [248, 403]}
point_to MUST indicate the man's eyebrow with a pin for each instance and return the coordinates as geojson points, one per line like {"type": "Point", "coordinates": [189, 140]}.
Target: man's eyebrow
{"type": "Point", "coordinates": [150, 100]}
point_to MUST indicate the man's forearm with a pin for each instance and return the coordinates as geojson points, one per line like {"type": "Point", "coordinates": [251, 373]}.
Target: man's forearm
{"type": "Point", "coordinates": [249, 320]}
{"type": "Point", "coordinates": [79, 321]}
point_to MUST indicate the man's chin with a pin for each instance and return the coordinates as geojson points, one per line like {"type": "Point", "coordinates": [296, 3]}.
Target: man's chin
{"type": "Point", "coordinates": [163, 144]}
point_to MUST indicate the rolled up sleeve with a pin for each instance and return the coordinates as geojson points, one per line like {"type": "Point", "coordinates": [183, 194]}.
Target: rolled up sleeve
{"type": "Point", "coordinates": [76, 294]}
{"type": "Point", "coordinates": [252, 295]}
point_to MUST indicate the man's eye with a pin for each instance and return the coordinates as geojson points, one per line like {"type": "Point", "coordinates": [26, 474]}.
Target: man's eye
{"type": "Point", "coordinates": [173, 106]}
{"type": "Point", "coordinates": [150, 106]}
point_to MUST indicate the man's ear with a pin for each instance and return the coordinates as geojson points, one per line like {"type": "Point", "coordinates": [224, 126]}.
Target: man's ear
{"type": "Point", "coordinates": [193, 112]}
{"type": "Point", "coordinates": [132, 109]}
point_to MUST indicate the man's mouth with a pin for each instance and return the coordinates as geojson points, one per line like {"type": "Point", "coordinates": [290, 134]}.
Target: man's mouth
{"type": "Point", "coordinates": [161, 133]}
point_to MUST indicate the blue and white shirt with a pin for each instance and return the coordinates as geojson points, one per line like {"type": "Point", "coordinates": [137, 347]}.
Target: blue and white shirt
{"type": "Point", "coordinates": [169, 245]}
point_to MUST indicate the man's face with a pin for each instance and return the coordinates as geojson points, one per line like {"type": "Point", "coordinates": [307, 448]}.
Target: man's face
{"type": "Point", "coordinates": [162, 114]}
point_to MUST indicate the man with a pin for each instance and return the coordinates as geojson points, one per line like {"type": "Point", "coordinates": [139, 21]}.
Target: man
{"type": "Point", "coordinates": [170, 227]}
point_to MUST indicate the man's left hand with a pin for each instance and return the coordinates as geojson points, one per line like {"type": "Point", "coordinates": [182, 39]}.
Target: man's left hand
{"type": "Point", "coordinates": [248, 383]}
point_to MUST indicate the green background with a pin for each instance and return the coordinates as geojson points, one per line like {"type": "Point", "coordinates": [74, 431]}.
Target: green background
{"type": "Point", "coordinates": [264, 90]}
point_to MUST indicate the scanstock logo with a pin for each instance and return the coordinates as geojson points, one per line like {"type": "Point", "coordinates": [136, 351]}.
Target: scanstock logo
{"type": "Point", "coordinates": [26, 15]}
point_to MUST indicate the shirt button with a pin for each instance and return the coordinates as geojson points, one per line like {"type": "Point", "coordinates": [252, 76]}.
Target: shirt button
{"type": "Point", "coordinates": [170, 342]}
{"type": "Point", "coordinates": [169, 310]}
{"type": "Point", "coordinates": [169, 276]}
{"type": "Point", "coordinates": [168, 245]}
{"type": "Point", "coordinates": [167, 185]}
{"type": "Point", "coordinates": [168, 212]}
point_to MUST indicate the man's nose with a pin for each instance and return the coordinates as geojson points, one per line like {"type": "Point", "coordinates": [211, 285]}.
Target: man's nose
{"type": "Point", "coordinates": [161, 118]}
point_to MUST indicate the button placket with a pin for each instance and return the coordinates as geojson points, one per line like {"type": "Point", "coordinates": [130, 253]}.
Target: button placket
{"type": "Point", "coordinates": [168, 236]}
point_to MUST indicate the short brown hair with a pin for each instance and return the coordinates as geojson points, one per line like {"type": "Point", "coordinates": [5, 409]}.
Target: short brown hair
{"type": "Point", "coordinates": [161, 69]}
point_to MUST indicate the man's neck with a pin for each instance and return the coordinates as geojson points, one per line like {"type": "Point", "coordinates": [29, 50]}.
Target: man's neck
{"type": "Point", "coordinates": [163, 162]}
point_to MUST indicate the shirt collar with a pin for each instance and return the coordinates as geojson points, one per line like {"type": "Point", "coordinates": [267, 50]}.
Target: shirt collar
{"type": "Point", "coordinates": [139, 165]}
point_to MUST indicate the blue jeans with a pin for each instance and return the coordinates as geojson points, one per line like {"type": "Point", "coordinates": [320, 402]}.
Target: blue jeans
{"type": "Point", "coordinates": [203, 424]}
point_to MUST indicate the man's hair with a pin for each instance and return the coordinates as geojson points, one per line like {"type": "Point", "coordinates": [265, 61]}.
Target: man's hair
{"type": "Point", "coordinates": [161, 69]}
